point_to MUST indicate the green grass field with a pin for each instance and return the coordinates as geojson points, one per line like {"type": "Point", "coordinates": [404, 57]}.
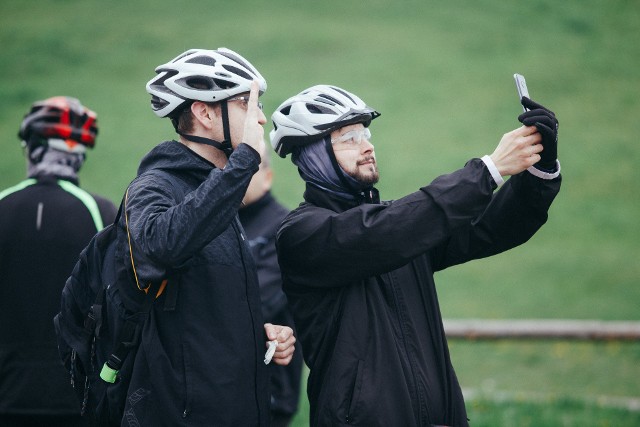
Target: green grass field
{"type": "Point", "coordinates": [440, 73]}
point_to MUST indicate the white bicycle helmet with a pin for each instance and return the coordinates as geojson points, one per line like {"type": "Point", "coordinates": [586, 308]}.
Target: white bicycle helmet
{"type": "Point", "coordinates": [314, 113]}
{"type": "Point", "coordinates": [201, 75]}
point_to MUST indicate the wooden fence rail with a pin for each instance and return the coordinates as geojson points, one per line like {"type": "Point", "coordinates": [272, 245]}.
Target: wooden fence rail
{"type": "Point", "coordinates": [542, 329]}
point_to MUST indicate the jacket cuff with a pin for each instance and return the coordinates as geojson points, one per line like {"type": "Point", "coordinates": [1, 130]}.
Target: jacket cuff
{"type": "Point", "coordinates": [545, 175]}
{"type": "Point", "coordinates": [252, 151]}
{"type": "Point", "coordinates": [497, 178]}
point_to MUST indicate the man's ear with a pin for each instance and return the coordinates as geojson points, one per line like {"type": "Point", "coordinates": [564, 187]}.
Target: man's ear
{"type": "Point", "coordinates": [204, 113]}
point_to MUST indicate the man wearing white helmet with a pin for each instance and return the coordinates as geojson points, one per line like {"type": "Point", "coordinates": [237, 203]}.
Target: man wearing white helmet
{"type": "Point", "coordinates": [201, 360]}
{"type": "Point", "coordinates": [358, 273]}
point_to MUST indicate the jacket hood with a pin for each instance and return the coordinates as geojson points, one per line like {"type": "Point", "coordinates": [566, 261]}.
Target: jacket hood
{"type": "Point", "coordinates": [326, 199]}
{"type": "Point", "coordinates": [174, 156]}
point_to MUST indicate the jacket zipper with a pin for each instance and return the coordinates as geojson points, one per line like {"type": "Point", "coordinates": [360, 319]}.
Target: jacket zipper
{"type": "Point", "coordinates": [410, 357]}
{"type": "Point", "coordinates": [237, 226]}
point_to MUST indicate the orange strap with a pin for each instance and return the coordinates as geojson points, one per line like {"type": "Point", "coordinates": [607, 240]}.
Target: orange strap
{"type": "Point", "coordinates": [135, 273]}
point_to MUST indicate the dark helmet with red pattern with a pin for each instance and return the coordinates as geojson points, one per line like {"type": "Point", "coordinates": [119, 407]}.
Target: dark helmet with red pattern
{"type": "Point", "coordinates": [62, 123]}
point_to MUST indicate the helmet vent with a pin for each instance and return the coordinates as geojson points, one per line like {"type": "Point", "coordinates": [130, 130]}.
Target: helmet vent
{"type": "Point", "coordinates": [224, 84]}
{"type": "Point", "coordinates": [237, 71]}
{"type": "Point", "coordinates": [200, 83]}
{"type": "Point", "coordinates": [158, 84]}
{"type": "Point", "coordinates": [234, 58]}
{"type": "Point", "coordinates": [325, 101]}
{"type": "Point", "coordinates": [330, 98]}
{"type": "Point", "coordinates": [286, 110]}
{"type": "Point", "coordinates": [319, 109]}
{"type": "Point", "coordinates": [203, 60]}
{"type": "Point", "coordinates": [344, 93]}
{"type": "Point", "coordinates": [48, 117]}
{"type": "Point", "coordinates": [157, 103]}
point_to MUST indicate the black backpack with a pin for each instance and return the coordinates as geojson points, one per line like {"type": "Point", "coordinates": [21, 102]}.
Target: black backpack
{"type": "Point", "coordinates": [98, 330]}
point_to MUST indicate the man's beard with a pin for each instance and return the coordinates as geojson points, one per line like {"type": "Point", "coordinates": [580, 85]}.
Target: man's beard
{"type": "Point", "coordinates": [369, 177]}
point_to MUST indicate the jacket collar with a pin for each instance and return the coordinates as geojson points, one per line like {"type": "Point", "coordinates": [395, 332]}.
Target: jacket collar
{"type": "Point", "coordinates": [324, 199]}
{"type": "Point", "coordinates": [53, 179]}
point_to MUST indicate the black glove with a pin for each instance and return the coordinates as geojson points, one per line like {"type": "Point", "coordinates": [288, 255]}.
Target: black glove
{"type": "Point", "coordinates": [547, 124]}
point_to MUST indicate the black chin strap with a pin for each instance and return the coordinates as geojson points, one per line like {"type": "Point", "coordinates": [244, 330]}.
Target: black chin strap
{"type": "Point", "coordinates": [225, 126]}
{"type": "Point", "coordinates": [336, 167]}
{"type": "Point", "coordinates": [224, 146]}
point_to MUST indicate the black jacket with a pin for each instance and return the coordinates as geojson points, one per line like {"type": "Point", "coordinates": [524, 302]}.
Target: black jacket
{"type": "Point", "coordinates": [359, 278]}
{"type": "Point", "coordinates": [43, 228]}
{"type": "Point", "coordinates": [200, 361]}
{"type": "Point", "coordinates": [261, 220]}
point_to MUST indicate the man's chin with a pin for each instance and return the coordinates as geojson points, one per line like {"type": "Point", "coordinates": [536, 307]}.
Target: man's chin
{"type": "Point", "coordinates": [368, 178]}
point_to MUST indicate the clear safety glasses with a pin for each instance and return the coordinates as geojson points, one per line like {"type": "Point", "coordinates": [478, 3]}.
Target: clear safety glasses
{"type": "Point", "coordinates": [353, 137]}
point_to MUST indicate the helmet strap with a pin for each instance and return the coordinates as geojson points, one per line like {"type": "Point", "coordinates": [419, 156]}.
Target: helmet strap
{"type": "Point", "coordinates": [334, 162]}
{"type": "Point", "coordinates": [225, 125]}
{"type": "Point", "coordinates": [224, 146]}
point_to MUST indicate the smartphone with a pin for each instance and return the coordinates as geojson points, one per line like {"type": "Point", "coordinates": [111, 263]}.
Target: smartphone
{"type": "Point", "coordinates": [521, 85]}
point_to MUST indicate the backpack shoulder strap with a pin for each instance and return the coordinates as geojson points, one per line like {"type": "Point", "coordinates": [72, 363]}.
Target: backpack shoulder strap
{"type": "Point", "coordinates": [129, 335]}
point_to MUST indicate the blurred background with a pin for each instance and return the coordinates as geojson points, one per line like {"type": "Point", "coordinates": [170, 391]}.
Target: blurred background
{"type": "Point", "coordinates": [441, 75]}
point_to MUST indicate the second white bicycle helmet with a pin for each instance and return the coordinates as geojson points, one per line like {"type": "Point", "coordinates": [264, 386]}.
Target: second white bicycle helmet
{"type": "Point", "coordinates": [314, 113]}
{"type": "Point", "coordinates": [201, 75]}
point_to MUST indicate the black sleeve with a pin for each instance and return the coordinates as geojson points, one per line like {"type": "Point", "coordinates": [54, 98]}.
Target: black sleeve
{"type": "Point", "coordinates": [319, 247]}
{"type": "Point", "coordinates": [170, 231]}
{"type": "Point", "coordinates": [515, 214]}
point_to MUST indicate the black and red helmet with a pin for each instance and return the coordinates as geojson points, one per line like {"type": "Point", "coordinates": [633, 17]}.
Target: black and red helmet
{"type": "Point", "coordinates": [61, 118]}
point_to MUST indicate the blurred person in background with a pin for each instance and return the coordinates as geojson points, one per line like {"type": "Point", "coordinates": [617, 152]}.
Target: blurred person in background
{"type": "Point", "coordinates": [261, 216]}
{"type": "Point", "coordinates": [45, 222]}
{"type": "Point", "coordinates": [201, 360]}
{"type": "Point", "coordinates": [358, 272]}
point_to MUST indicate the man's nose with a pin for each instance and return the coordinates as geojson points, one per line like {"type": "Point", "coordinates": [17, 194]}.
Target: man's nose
{"type": "Point", "coordinates": [262, 119]}
{"type": "Point", "coordinates": [366, 145]}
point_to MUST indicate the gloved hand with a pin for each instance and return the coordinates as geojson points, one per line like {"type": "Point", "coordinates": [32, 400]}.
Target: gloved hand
{"type": "Point", "coordinates": [547, 124]}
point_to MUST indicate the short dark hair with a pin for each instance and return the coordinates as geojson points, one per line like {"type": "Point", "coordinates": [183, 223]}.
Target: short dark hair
{"type": "Point", "coordinates": [183, 121]}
